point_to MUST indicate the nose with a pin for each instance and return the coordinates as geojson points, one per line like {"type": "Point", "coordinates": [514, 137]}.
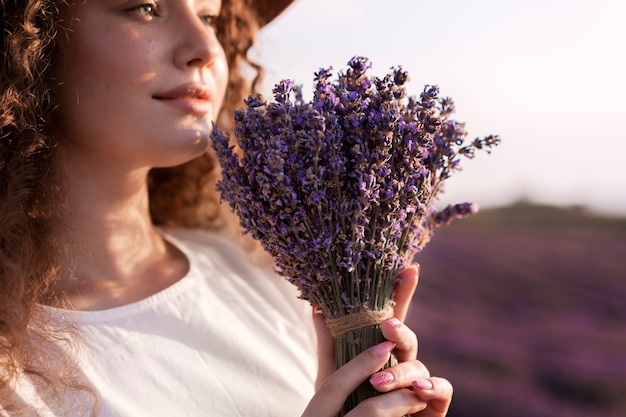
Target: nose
{"type": "Point", "coordinates": [198, 46]}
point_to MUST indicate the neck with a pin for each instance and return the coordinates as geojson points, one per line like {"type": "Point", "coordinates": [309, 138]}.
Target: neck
{"type": "Point", "coordinates": [115, 254]}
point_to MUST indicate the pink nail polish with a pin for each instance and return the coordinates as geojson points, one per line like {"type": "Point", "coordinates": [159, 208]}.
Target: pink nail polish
{"type": "Point", "coordinates": [423, 384]}
{"type": "Point", "coordinates": [381, 378]}
{"type": "Point", "coordinates": [383, 349]}
{"type": "Point", "coordinates": [394, 322]}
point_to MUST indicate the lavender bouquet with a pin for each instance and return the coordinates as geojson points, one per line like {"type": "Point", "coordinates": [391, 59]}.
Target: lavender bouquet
{"type": "Point", "coordinates": [340, 190]}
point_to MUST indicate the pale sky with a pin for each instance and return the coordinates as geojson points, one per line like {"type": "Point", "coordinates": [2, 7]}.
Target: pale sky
{"type": "Point", "coordinates": [546, 75]}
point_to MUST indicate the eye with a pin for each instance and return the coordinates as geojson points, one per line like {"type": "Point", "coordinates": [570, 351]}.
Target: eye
{"type": "Point", "coordinates": [209, 20]}
{"type": "Point", "coordinates": [147, 11]}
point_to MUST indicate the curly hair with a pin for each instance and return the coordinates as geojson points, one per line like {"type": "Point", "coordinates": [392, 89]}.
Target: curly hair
{"type": "Point", "coordinates": [31, 205]}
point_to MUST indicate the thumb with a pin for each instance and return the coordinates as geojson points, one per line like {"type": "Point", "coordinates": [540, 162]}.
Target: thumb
{"type": "Point", "coordinates": [327, 363]}
{"type": "Point", "coordinates": [405, 289]}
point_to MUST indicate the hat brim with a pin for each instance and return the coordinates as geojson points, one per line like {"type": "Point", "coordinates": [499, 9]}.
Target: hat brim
{"type": "Point", "coordinates": [268, 10]}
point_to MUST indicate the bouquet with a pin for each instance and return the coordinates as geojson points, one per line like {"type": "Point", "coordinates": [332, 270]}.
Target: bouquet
{"type": "Point", "coordinates": [341, 190]}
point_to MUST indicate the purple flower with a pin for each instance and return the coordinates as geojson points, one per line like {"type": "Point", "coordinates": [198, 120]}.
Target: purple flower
{"type": "Point", "coordinates": [340, 190]}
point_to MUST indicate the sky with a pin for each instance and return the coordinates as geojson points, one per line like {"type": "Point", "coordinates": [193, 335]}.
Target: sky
{"type": "Point", "coordinates": [548, 76]}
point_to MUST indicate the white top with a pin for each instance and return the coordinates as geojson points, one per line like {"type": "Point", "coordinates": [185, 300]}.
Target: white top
{"type": "Point", "coordinates": [229, 339]}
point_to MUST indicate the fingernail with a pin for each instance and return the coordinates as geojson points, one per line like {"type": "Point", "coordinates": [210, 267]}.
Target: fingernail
{"type": "Point", "coordinates": [423, 384]}
{"type": "Point", "coordinates": [413, 266]}
{"type": "Point", "coordinates": [394, 322]}
{"type": "Point", "coordinates": [383, 349]}
{"type": "Point", "coordinates": [381, 378]}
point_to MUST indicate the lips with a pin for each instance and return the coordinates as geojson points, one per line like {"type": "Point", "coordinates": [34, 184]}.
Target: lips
{"type": "Point", "coordinates": [190, 98]}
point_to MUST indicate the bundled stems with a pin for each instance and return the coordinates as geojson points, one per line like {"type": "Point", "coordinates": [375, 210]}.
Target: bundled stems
{"type": "Point", "coordinates": [349, 345]}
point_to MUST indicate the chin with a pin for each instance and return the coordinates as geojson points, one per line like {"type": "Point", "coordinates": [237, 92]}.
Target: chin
{"type": "Point", "coordinates": [181, 156]}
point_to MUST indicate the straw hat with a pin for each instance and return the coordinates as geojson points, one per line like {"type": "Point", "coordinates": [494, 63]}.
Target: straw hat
{"type": "Point", "coordinates": [268, 10]}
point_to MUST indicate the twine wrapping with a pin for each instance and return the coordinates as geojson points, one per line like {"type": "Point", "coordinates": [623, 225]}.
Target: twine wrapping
{"type": "Point", "coordinates": [347, 323]}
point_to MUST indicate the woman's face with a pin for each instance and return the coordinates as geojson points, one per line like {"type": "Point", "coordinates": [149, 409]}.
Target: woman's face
{"type": "Point", "coordinates": [139, 80]}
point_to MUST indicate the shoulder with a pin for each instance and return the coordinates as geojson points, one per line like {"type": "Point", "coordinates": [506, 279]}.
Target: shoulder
{"type": "Point", "coordinates": [214, 252]}
{"type": "Point", "coordinates": [199, 239]}
{"type": "Point", "coordinates": [249, 287]}
{"type": "Point", "coordinates": [225, 259]}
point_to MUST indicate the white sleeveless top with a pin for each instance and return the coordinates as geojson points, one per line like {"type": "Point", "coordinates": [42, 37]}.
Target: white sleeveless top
{"type": "Point", "coordinates": [229, 339]}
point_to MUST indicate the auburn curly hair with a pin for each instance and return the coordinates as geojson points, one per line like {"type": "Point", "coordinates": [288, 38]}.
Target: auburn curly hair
{"type": "Point", "coordinates": [31, 207]}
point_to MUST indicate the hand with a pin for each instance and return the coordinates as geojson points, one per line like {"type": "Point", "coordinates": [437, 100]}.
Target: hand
{"type": "Point", "coordinates": [408, 386]}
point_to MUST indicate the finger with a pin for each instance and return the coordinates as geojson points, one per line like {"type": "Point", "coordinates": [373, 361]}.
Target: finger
{"type": "Point", "coordinates": [336, 387]}
{"type": "Point", "coordinates": [325, 348]}
{"type": "Point", "coordinates": [404, 290]}
{"type": "Point", "coordinates": [392, 404]}
{"type": "Point", "coordinates": [437, 392]}
{"type": "Point", "coordinates": [404, 338]}
{"type": "Point", "coordinates": [398, 376]}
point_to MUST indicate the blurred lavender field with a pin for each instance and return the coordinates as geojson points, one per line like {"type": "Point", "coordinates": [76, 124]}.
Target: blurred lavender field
{"type": "Point", "coordinates": [524, 310]}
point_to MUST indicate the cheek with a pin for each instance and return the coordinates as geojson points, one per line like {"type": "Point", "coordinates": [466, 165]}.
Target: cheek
{"type": "Point", "coordinates": [98, 83]}
{"type": "Point", "coordinates": [81, 97]}
{"type": "Point", "coordinates": [81, 70]}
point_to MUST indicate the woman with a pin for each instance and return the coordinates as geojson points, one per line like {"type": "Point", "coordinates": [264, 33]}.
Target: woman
{"type": "Point", "coordinates": [122, 292]}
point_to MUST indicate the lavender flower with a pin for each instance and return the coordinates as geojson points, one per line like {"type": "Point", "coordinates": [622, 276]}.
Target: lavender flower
{"type": "Point", "coordinates": [340, 190]}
